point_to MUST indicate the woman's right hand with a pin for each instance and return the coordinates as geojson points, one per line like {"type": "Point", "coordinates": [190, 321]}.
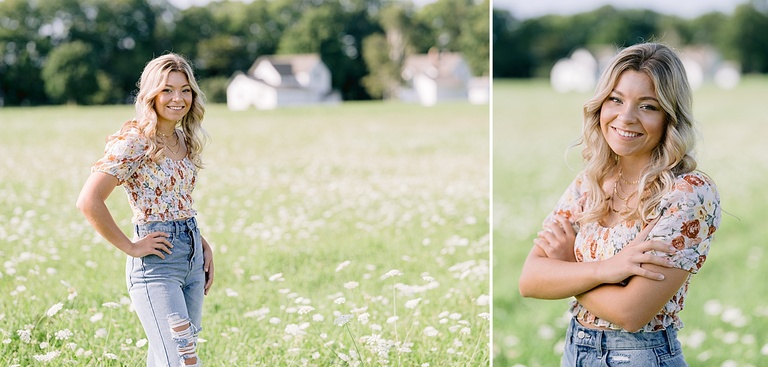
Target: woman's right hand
{"type": "Point", "coordinates": [154, 243]}
{"type": "Point", "coordinates": [628, 262]}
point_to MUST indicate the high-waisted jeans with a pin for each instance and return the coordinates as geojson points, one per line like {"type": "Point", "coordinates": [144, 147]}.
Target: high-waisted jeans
{"type": "Point", "coordinates": [168, 293]}
{"type": "Point", "coordinates": [585, 347]}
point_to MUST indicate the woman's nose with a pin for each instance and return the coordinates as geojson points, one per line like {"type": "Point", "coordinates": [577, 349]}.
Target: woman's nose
{"type": "Point", "coordinates": [628, 113]}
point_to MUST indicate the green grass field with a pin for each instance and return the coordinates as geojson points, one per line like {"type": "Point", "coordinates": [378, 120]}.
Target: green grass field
{"type": "Point", "coordinates": [726, 313]}
{"type": "Point", "coordinates": [375, 210]}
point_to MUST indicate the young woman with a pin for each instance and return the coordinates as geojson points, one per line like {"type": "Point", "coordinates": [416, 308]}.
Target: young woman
{"type": "Point", "coordinates": [156, 157]}
{"type": "Point", "coordinates": [635, 224]}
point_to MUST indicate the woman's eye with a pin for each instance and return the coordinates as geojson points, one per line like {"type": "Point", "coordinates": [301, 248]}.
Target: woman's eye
{"type": "Point", "coordinates": [614, 99]}
{"type": "Point", "coordinates": [649, 107]}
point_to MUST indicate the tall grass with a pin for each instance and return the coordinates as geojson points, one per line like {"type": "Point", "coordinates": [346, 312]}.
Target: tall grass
{"type": "Point", "coordinates": [726, 312]}
{"type": "Point", "coordinates": [348, 235]}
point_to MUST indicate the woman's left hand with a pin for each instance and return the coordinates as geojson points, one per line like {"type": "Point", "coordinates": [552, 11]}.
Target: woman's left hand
{"type": "Point", "coordinates": [557, 239]}
{"type": "Point", "coordinates": [208, 266]}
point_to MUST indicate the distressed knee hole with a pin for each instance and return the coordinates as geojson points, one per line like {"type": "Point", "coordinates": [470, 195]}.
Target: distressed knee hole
{"type": "Point", "coordinates": [185, 335]}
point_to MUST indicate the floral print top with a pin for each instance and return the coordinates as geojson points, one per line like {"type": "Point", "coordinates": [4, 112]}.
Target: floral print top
{"type": "Point", "coordinates": [157, 191]}
{"type": "Point", "coordinates": [689, 215]}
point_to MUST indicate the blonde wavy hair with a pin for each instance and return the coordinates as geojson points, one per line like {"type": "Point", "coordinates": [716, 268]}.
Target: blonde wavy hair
{"type": "Point", "coordinates": [152, 82]}
{"type": "Point", "coordinates": [672, 157]}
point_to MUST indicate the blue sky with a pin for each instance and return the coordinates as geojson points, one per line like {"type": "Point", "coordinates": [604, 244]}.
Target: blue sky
{"type": "Point", "coordinates": [683, 8]}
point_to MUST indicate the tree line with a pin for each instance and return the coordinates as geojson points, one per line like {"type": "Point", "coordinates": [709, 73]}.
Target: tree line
{"type": "Point", "coordinates": [529, 48]}
{"type": "Point", "coordinates": [92, 51]}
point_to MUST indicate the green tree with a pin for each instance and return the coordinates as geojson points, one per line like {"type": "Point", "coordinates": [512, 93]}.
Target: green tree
{"type": "Point", "coordinates": [337, 36]}
{"type": "Point", "coordinates": [446, 18]}
{"type": "Point", "coordinates": [474, 38]}
{"type": "Point", "coordinates": [69, 73]}
{"type": "Point", "coordinates": [22, 51]}
{"type": "Point", "coordinates": [511, 40]}
{"type": "Point", "coordinates": [384, 77]}
{"type": "Point", "coordinates": [749, 37]}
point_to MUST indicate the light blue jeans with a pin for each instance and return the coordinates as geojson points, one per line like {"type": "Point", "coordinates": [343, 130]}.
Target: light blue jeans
{"type": "Point", "coordinates": [168, 293]}
{"type": "Point", "coordinates": [585, 347]}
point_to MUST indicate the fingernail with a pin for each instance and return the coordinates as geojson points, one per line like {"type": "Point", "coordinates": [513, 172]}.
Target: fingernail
{"type": "Point", "coordinates": [661, 276]}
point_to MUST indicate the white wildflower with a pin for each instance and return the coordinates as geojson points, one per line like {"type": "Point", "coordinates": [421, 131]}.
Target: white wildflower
{"type": "Point", "coordinates": [431, 331]}
{"type": "Point", "coordinates": [141, 342]}
{"type": "Point", "coordinates": [391, 273]}
{"type": "Point", "coordinates": [411, 304]}
{"type": "Point", "coordinates": [317, 317]}
{"type": "Point", "coordinates": [303, 310]}
{"type": "Point", "coordinates": [351, 285]}
{"type": "Point", "coordinates": [392, 320]}
{"type": "Point", "coordinates": [231, 292]}
{"type": "Point", "coordinates": [340, 300]}
{"type": "Point", "coordinates": [343, 319]}
{"type": "Point", "coordinates": [295, 330]}
{"type": "Point", "coordinates": [97, 317]}
{"type": "Point", "coordinates": [54, 309]}
{"type": "Point", "coordinates": [363, 318]}
{"type": "Point", "coordinates": [257, 313]}
{"type": "Point", "coordinates": [276, 277]}
{"type": "Point", "coordinates": [47, 357]}
{"type": "Point", "coordinates": [100, 333]}
{"type": "Point", "coordinates": [343, 265]}
{"type": "Point", "coordinates": [111, 305]}
{"type": "Point", "coordinates": [483, 300]}
{"type": "Point", "coordinates": [485, 316]}
{"type": "Point", "coordinates": [63, 334]}
{"type": "Point", "coordinates": [110, 356]}
{"type": "Point", "coordinates": [25, 335]}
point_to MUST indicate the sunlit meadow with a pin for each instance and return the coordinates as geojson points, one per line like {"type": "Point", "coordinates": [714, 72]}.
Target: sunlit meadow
{"type": "Point", "coordinates": [726, 311]}
{"type": "Point", "coordinates": [351, 235]}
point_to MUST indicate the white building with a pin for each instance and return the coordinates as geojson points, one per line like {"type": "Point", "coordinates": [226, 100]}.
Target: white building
{"type": "Point", "coordinates": [435, 77]}
{"type": "Point", "coordinates": [281, 80]}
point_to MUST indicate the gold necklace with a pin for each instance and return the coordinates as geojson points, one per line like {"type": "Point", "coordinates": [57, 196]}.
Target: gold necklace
{"type": "Point", "coordinates": [627, 182]}
{"type": "Point", "coordinates": [177, 145]}
{"type": "Point", "coordinates": [616, 192]}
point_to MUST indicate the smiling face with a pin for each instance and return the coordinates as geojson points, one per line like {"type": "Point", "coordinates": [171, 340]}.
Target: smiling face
{"type": "Point", "coordinates": [175, 100]}
{"type": "Point", "coordinates": [631, 118]}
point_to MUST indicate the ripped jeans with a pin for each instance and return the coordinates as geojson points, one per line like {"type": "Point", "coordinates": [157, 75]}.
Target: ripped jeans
{"type": "Point", "coordinates": [585, 347]}
{"type": "Point", "coordinates": [168, 294]}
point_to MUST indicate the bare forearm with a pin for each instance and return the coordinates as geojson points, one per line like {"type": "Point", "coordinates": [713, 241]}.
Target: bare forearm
{"type": "Point", "coordinates": [546, 278]}
{"type": "Point", "coordinates": [97, 213]}
{"type": "Point", "coordinates": [634, 305]}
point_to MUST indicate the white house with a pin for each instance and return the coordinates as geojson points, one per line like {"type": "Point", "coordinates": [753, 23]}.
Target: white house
{"type": "Point", "coordinates": [435, 77]}
{"type": "Point", "coordinates": [281, 80]}
{"type": "Point", "coordinates": [579, 72]}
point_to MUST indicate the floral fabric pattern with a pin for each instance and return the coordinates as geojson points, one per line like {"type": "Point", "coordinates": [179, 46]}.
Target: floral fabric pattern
{"type": "Point", "coordinates": [689, 215]}
{"type": "Point", "coordinates": [157, 191]}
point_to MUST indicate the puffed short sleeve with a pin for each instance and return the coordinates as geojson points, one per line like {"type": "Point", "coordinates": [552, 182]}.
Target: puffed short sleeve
{"type": "Point", "coordinates": [689, 216]}
{"type": "Point", "coordinates": [571, 203]}
{"type": "Point", "coordinates": [122, 155]}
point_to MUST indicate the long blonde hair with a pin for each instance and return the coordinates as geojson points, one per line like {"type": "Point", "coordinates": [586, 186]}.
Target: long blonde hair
{"type": "Point", "coordinates": [671, 157]}
{"type": "Point", "coordinates": [153, 80]}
